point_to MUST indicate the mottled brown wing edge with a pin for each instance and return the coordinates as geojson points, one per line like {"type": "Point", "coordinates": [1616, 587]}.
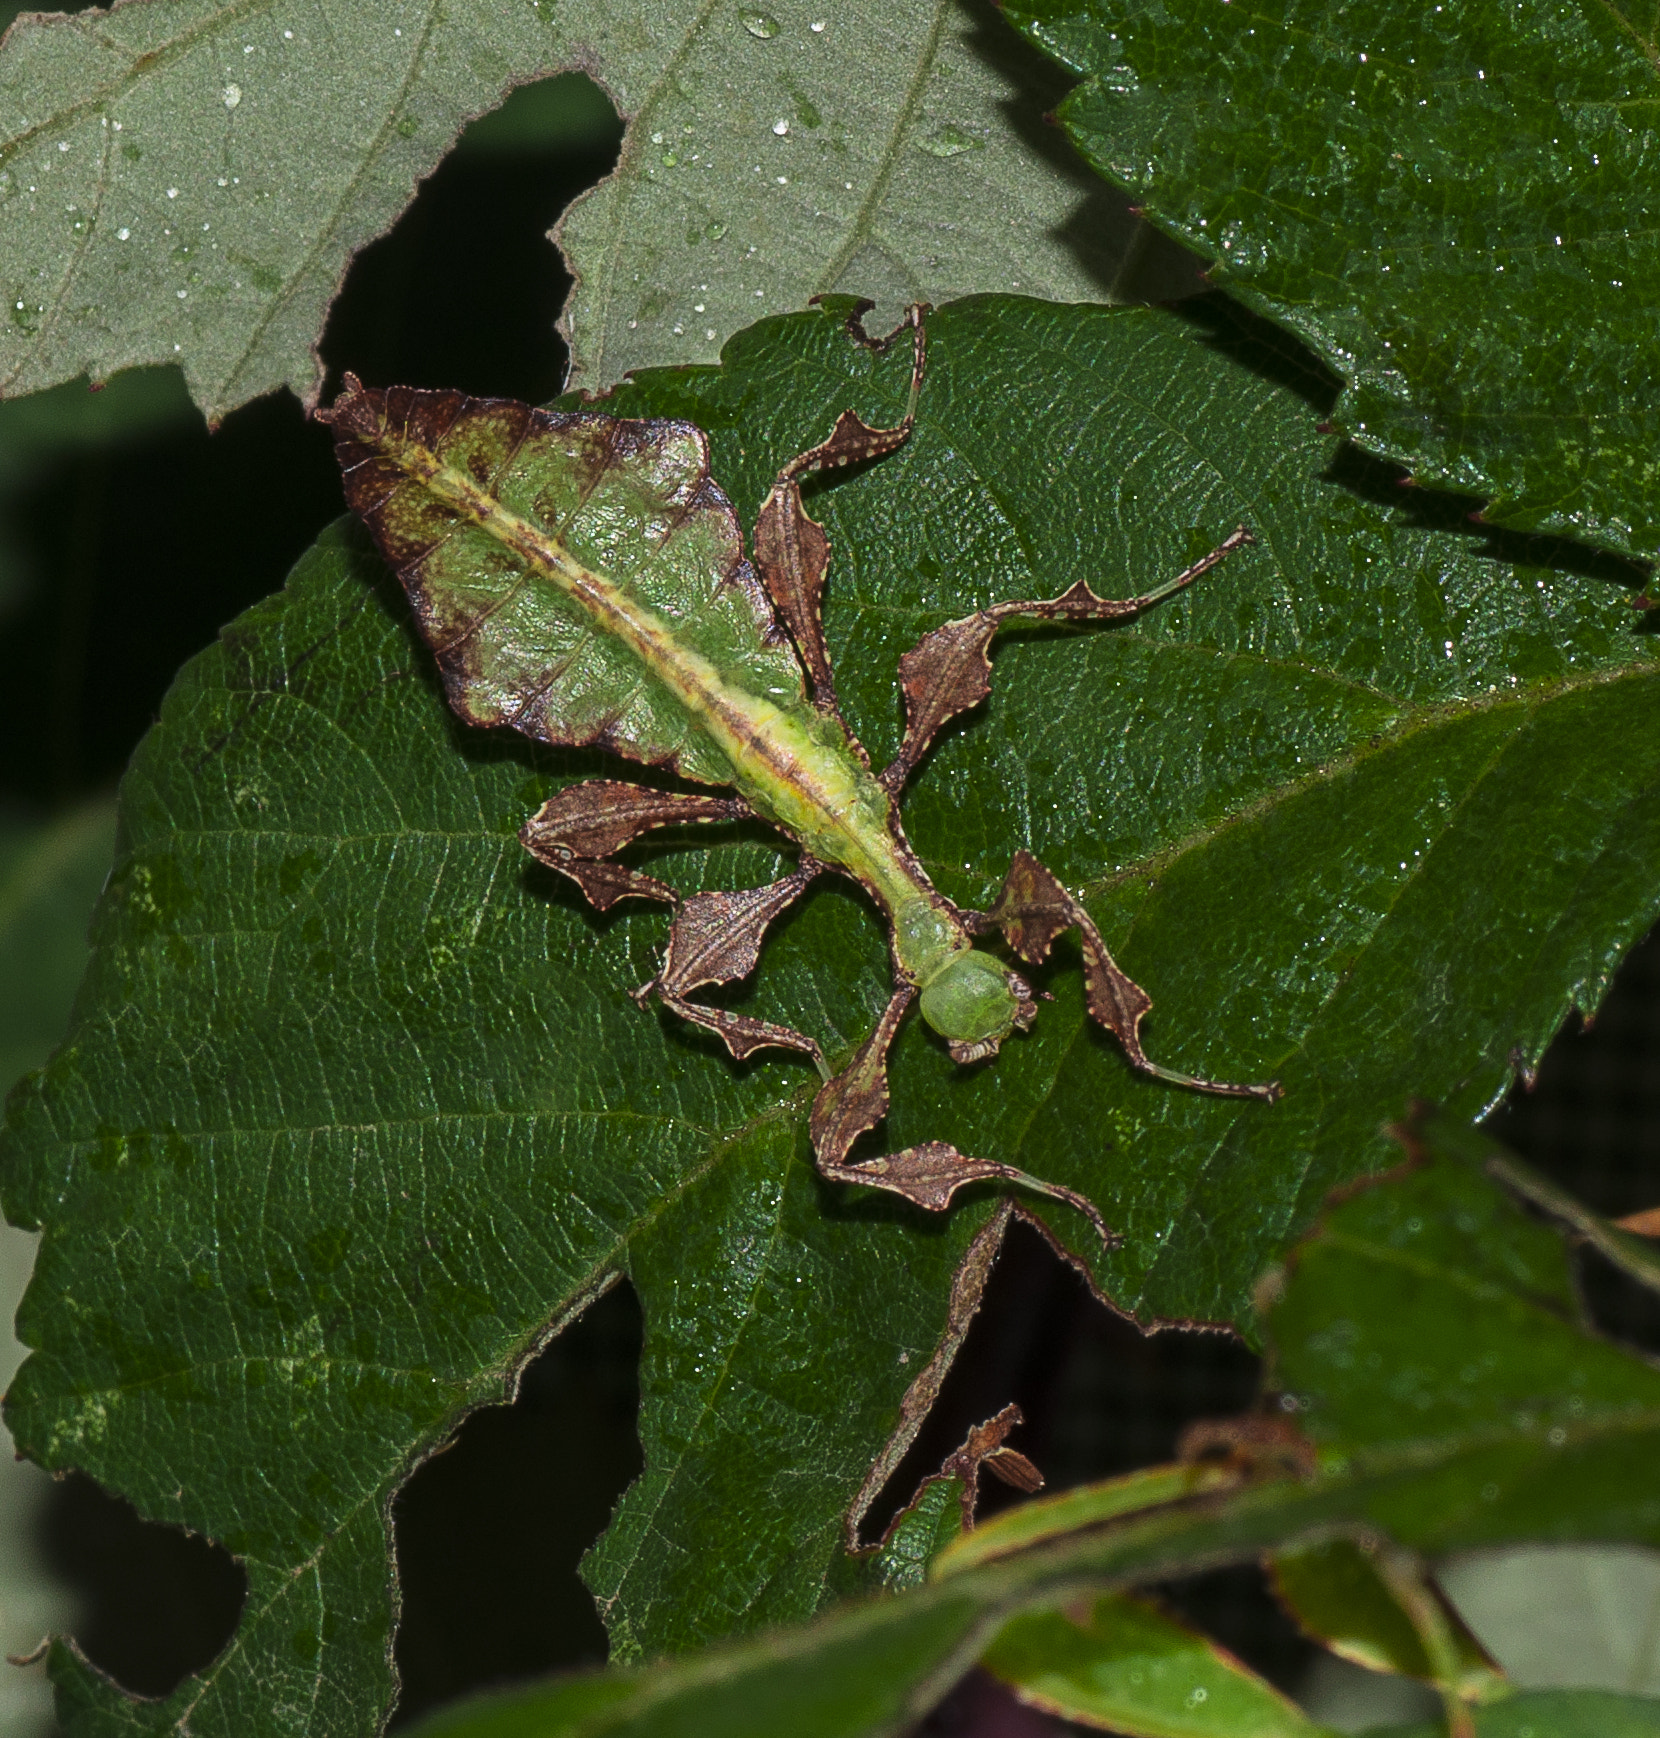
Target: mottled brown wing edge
{"type": "Point", "coordinates": [370, 423]}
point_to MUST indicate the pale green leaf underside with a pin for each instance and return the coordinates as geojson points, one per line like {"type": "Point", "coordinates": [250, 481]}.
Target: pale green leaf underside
{"type": "Point", "coordinates": [895, 151]}
{"type": "Point", "coordinates": [1401, 801]}
{"type": "Point", "coordinates": [187, 180]}
{"type": "Point", "coordinates": [1455, 208]}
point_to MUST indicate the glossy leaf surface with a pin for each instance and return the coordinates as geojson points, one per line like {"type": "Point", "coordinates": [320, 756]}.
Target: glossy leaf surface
{"type": "Point", "coordinates": [1368, 810]}
{"type": "Point", "coordinates": [973, 1606]}
{"type": "Point", "coordinates": [1454, 208]}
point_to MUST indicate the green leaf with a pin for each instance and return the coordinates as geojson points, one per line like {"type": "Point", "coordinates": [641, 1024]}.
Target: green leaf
{"type": "Point", "coordinates": [186, 187]}
{"type": "Point", "coordinates": [1452, 212]}
{"type": "Point", "coordinates": [1127, 1667]}
{"type": "Point", "coordinates": [1553, 1714]}
{"type": "Point", "coordinates": [1370, 809]}
{"type": "Point", "coordinates": [1337, 1595]}
{"type": "Point", "coordinates": [1564, 1616]}
{"type": "Point", "coordinates": [50, 874]}
{"type": "Point", "coordinates": [910, 1648]}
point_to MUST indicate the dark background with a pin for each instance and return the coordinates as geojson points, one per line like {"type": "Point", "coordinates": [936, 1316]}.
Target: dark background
{"type": "Point", "coordinates": [129, 536]}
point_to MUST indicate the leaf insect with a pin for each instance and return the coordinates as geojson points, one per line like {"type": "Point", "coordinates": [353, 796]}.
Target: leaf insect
{"type": "Point", "coordinates": [582, 578]}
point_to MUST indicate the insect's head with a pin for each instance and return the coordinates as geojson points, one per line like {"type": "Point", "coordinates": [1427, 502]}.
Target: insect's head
{"type": "Point", "coordinates": [974, 1003]}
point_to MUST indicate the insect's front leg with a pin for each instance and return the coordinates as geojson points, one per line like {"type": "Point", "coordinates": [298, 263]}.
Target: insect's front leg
{"type": "Point", "coordinates": [791, 549]}
{"type": "Point", "coordinates": [949, 670]}
{"type": "Point", "coordinates": [927, 1175]}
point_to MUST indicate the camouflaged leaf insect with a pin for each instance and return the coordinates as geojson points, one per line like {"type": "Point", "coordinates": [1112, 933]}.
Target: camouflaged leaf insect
{"type": "Point", "coordinates": [582, 578]}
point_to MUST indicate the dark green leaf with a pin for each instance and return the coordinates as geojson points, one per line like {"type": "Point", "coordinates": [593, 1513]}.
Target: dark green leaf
{"type": "Point", "coordinates": [1365, 1474]}
{"type": "Point", "coordinates": [1369, 810]}
{"type": "Point", "coordinates": [1454, 210]}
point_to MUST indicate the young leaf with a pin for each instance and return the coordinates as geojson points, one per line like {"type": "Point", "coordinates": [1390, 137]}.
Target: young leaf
{"type": "Point", "coordinates": [1335, 1592]}
{"type": "Point", "coordinates": [1447, 211]}
{"type": "Point", "coordinates": [334, 1005]}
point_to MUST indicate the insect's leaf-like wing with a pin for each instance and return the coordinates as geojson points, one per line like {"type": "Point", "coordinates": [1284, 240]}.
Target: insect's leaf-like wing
{"type": "Point", "coordinates": [629, 505]}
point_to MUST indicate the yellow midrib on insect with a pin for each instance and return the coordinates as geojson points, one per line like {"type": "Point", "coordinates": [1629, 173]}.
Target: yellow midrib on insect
{"type": "Point", "coordinates": [820, 791]}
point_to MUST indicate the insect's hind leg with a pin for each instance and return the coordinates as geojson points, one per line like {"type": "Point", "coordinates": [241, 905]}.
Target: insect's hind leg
{"type": "Point", "coordinates": [927, 1175]}
{"type": "Point", "coordinates": [1032, 910]}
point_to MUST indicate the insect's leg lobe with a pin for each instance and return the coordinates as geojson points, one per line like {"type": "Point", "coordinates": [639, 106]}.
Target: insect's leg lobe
{"type": "Point", "coordinates": [715, 939]}
{"type": "Point", "coordinates": [791, 549]}
{"type": "Point", "coordinates": [577, 828]}
{"type": "Point", "coordinates": [949, 670]}
{"type": "Point", "coordinates": [927, 1175]}
{"type": "Point", "coordinates": [1033, 909]}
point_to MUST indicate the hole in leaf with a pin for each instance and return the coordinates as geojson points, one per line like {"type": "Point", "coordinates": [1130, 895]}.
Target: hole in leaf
{"type": "Point", "coordinates": [157, 1603]}
{"type": "Point", "coordinates": [490, 1531]}
{"type": "Point", "coordinates": [1592, 1124]}
{"type": "Point", "coordinates": [465, 289]}
{"type": "Point", "coordinates": [1100, 1398]}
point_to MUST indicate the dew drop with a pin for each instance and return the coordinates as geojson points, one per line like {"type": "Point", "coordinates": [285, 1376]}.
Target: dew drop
{"type": "Point", "coordinates": [232, 94]}
{"type": "Point", "coordinates": [761, 24]}
{"type": "Point", "coordinates": [781, 128]}
{"type": "Point", "coordinates": [950, 141]}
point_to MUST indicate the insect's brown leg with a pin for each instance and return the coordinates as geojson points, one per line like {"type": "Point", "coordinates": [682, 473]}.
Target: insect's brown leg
{"type": "Point", "coordinates": [791, 549]}
{"type": "Point", "coordinates": [1032, 910]}
{"type": "Point", "coordinates": [716, 938]}
{"type": "Point", "coordinates": [949, 670]}
{"type": "Point", "coordinates": [927, 1175]}
{"type": "Point", "coordinates": [577, 828]}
